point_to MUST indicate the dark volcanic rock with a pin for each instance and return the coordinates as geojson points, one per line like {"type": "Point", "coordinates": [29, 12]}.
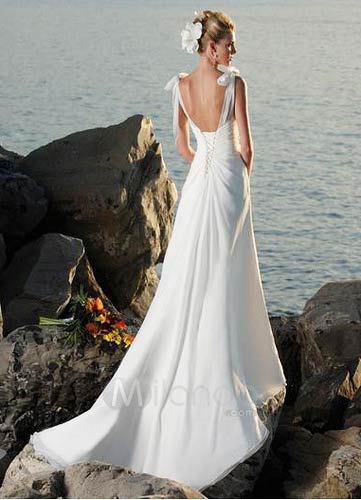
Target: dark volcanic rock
{"type": "Point", "coordinates": [38, 279]}
{"type": "Point", "coordinates": [110, 187]}
{"type": "Point", "coordinates": [43, 382]}
{"type": "Point", "coordinates": [323, 399]}
{"type": "Point", "coordinates": [22, 204]}
{"type": "Point", "coordinates": [329, 329]}
{"type": "Point", "coordinates": [319, 465]}
{"type": "Point", "coordinates": [285, 332]}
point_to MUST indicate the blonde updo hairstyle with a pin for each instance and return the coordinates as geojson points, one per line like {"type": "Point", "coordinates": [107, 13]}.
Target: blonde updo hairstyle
{"type": "Point", "coordinates": [215, 26]}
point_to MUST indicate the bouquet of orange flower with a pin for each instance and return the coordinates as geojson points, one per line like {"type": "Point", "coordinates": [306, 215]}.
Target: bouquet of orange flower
{"type": "Point", "coordinates": [91, 318]}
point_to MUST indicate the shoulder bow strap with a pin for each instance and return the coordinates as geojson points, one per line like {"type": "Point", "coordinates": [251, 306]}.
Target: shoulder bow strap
{"type": "Point", "coordinates": [229, 72]}
{"type": "Point", "coordinates": [172, 85]}
{"type": "Point", "coordinates": [173, 81]}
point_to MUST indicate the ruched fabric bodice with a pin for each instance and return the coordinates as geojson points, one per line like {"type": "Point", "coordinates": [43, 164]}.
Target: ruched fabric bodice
{"type": "Point", "coordinates": [215, 146]}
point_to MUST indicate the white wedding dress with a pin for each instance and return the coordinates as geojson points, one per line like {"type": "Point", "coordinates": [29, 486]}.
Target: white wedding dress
{"type": "Point", "coordinates": [182, 403]}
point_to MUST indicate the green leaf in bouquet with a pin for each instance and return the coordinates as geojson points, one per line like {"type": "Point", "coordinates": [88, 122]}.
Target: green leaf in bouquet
{"type": "Point", "coordinates": [45, 320]}
{"type": "Point", "coordinates": [74, 333]}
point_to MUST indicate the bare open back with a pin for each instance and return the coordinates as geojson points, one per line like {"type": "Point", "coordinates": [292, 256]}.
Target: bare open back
{"type": "Point", "coordinates": [217, 111]}
{"type": "Point", "coordinates": [195, 98]}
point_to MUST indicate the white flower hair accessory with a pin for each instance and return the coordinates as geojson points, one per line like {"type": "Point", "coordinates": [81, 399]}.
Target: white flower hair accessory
{"type": "Point", "coordinates": [190, 36]}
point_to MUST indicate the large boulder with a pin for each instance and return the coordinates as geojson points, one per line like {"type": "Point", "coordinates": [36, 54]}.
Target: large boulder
{"type": "Point", "coordinates": [329, 328]}
{"type": "Point", "coordinates": [323, 399]}
{"type": "Point", "coordinates": [30, 476]}
{"type": "Point", "coordinates": [9, 159]}
{"type": "Point", "coordinates": [23, 204]}
{"type": "Point", "coordinates": [318, 465]}
{"type": "Point", "coordinates": [110, 187]}
{"type": "Point", "coordinates": [38, 279]}
{"type": "Point", "coordinates": [285, 332]}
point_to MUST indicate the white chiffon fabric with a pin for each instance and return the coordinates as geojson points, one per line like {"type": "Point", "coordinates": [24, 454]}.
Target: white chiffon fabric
{"type": "Point", "coordinates": [182, 403]}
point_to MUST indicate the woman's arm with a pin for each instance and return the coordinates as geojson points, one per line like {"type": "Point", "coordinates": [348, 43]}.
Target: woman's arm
{"type": "Point", "coordinates": [183, 138]}
{"type": "Point", "coordinates": [242, 118]}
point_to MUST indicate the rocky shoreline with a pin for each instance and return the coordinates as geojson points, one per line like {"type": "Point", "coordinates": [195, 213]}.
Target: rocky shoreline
{"type": "Point", "coordinates": [95, 208]}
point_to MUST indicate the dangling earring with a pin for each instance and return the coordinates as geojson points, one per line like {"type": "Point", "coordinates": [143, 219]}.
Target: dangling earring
{"type": "Point", "coordinates": [215, 60]}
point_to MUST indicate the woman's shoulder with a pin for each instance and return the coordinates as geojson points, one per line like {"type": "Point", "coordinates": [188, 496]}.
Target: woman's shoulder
{"type": "Point", "coordinates": [240, 81]}
{"type": "Point", "coordinates": [183, 75]}
{"type": "Point", "coordinates": [175, 80]}
{"type": "Point", "coordinates": [183, 81]}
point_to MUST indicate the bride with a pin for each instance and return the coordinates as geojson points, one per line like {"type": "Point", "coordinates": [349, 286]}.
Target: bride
{"type": "Point", "coordinates": [182, 403]}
